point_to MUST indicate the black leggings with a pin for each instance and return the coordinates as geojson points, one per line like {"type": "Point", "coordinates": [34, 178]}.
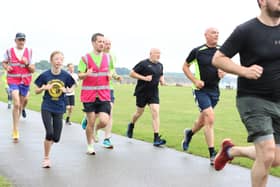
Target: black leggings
{"type": "Point", "coordinates": [53, 125]}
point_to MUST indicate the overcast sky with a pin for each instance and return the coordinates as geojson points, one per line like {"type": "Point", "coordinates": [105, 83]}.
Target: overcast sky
{"type": "Point", "coordinates": [134, 26]}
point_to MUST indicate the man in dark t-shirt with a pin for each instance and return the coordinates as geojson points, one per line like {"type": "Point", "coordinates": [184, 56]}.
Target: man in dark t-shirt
{"type": "Point", "coordinates": [149, 73]}
{"type": "Point", "coordinates": [205, 89]}
{"type": "Point", "coordinates": [258, 93]}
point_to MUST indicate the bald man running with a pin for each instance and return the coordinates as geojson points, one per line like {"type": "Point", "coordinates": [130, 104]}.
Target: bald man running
{"type": "Point", "coordinates": [205, 89]}
{"type": "Point", "coordinates": [149, 73]}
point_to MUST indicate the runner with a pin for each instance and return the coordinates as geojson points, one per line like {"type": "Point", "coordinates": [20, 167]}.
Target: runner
{"type": "Point", "coordinates": [54, 83]}
{"type": "Point", "coordinates": [258, 92]}
{"type": "Point", "coordinates": [70, 97]}
{"type": "Point", "coordinates": [18, 64]}
{"type": "Point", "coordinates": [149, 73]}
{"type": "Point", "coordinates": [205, 89]}
{"type": "Point", "coordinates": [95, 93]}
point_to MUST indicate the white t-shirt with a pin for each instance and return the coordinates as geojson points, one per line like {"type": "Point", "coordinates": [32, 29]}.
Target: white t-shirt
{"type": "Point", "coordinates": [19, 54]}
{"type": "Point", "coordinates": [76, 78]}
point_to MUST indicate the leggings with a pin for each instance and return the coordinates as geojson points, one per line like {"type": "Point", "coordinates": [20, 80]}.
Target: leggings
{"type": "Point", "coordinates": [53, 125]}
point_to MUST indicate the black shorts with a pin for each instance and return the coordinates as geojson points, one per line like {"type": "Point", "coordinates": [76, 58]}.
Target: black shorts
{"type": "Point", "coordinates": [70, 100]}
{"type": "Point", "coordinates": [141, 101]}
{"type": "Point", "coordinates": [98, 106]}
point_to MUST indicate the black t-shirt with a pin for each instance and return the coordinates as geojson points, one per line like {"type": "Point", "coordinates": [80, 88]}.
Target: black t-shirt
{"type": "Point", "coordinates": [201, 57]}
{"type": "Point", "coordinates": [146, 67]}
{"type": "Point", "coordinates": [258, 44]}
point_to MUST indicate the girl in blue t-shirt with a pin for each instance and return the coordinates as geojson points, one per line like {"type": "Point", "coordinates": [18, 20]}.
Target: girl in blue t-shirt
{"type": "Point", "coordinates": [55, 83]}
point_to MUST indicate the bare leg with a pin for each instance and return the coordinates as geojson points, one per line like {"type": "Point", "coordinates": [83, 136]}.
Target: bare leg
{"type": "Point", "coordinates": [155, 116]}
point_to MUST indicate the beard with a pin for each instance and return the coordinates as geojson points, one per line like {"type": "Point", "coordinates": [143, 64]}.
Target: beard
{"type": "Point", "coordinates": [273, 13]}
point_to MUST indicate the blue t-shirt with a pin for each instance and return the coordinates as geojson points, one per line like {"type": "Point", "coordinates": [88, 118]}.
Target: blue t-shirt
{"type": "Point", "coordinates": [54, 99]}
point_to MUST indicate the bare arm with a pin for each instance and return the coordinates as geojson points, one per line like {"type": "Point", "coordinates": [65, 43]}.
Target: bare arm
{"type": "Point", "coordinates": [135, 75]}
{"type": "Point", "coordinates": [83, 75]}
{"type": "Point", "coordinates": [162, 80]}
{"type": "Point", "coordinates": [226, 64]}
{"type": "Point", "coordinates": [6, 66]}
{"type": "Point", "coordinates": [198, 83]}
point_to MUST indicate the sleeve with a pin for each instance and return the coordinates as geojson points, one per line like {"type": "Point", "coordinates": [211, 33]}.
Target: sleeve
{"type": "Point", "coordinates": [138, 67]}
{"type": "Point", "coordinates": [161, 73]}
{"type": "Point", "coordinates": [30, 56]}
{"type": "Point", "coordinates": [5, 56]}
{"type": "Point", "coordinates": [191, 56]}
{"type": "Point", "coordinates": [69, 81]}
{"type": "Point", "coordinates": [40, 80]}
{"type": "Point", "coordinates": [233, 44]}
{"type": "Point", "coordinates": [82, 67]}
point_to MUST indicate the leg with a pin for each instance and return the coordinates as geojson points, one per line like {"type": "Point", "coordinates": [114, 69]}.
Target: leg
{"type": "Point", "coordinates": [57, 126]}
{"type": "Point", "coordinates": [208, 115]}
{"type": "Point", "coordinates": [108, 128]}
{"type": "Point", "coordinates": [91, 117]}
{"type": "Point", "coordinates": [47, 120]}
{"type": "Point", "coordinates": [156, 124]}
{"type": "Point", "coordinates": [103, 120]}
{"type": "Point", "coordinates": [137, 114]}
{"type": "Point", "coordinates": [135, 117]}
{"type": "Point", "coordinates": [16, 113]}
{"type": "Point", "coordinates": [265, 153]}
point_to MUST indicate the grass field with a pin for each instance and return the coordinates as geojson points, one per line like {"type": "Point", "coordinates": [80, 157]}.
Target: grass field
{"type": "Point", "coordinates": [177, 112]}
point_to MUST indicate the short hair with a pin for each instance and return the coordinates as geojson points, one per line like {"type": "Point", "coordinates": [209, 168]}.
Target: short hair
{"type": "Point", "coordinates": [94, 36]}
{"type": "Point", "coordinates": [54, 53]}
{"type": "Point", "coordinates": [69, 64]}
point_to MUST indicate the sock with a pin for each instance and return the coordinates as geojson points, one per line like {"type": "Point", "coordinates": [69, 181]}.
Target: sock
{"type": "Point", "coordinates": [190, 133]}
{"type": "Point", "coordinates": [211, 151]}
{"type": "Point", "coordinates": [131, 124]}
{"type": "Point", "coordinates": [67, 119]}
{"type": "Point", "coordinates": [155, 135]}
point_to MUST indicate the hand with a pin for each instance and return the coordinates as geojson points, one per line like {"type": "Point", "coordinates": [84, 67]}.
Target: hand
{"type": "Point", "coordinates": [89, 71]}
{"type": "Point", "coordinates": [119, 78]}
{"type": "Point", "coordinates": [9, 68]}
{"type": "Point", "coordinates": [65, 90]}
{"type": "Point", "coordinates": [199, 84]}
{"type": "Point", "coordinates": [25, 60]}
{"type": "Point", "coordinates": [221, 73]}
{"type": "Point", "coordinates": [148, 78]}
{"type": "Point", "coordinates": [47, 86]}
{"type": "Point", "coordinates": [253, 72]}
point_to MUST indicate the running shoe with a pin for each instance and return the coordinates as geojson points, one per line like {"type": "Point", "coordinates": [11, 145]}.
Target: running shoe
{"type": "Point", "coordinates": [23, 113]}
{"type": "Point", "coordinates": [15, 136]}
{"type": "Point", "coordinates": [90, 150]}
{"type": "Point", "coordinates": [84, 123]}
{"type": "Point", "coordinates": [158, 141]}
{"type": "Point", "coordinates": [129, 132]}
{"type": "Point", "coordinates": [187, 139]}
{"type": "Point", "coordinates": [46, 163]}
{"type": "Point", "coordinates": [222, 157]}
{"type": "Point", "coordinates": [107, 143]}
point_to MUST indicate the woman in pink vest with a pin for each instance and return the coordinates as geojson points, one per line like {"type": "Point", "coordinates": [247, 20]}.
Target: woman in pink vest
{"type": "Point", "coordinates": [18, 64]}
{"type": "Point", "coordinates": [95, 92]}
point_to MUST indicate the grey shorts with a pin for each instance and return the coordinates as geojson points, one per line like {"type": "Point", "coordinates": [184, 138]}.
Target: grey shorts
{"type": "Point", "coordinates": [261, 117]}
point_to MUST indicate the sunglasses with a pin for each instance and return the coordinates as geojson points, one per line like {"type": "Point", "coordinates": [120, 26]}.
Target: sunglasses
{"type": "Point", "coordinates": [21, 39]}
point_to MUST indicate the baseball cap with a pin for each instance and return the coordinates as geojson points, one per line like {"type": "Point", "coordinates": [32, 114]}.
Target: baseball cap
{"type": "Point", "coordinates": [20, 35]}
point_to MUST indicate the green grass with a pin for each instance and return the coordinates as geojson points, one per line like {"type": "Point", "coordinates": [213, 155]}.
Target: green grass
{"type": "Point", "coordinates": [4, 182]}
{"type": "Point", "coordinates": [177, 112]}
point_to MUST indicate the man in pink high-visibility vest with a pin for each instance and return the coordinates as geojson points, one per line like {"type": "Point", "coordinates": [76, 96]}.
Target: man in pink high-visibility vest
{"type": "Point", "coordinates": [18, 64]}
{"type": "Point", "coordinates": [95, 92]}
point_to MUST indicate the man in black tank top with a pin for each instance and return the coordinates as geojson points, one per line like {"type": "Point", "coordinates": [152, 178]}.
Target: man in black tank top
{"type": "Point", "coordinates": [258, 92]}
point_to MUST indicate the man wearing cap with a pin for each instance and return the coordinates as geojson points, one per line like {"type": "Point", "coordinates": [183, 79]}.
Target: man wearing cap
{"type": "Point", "coordinates": [18, 64]}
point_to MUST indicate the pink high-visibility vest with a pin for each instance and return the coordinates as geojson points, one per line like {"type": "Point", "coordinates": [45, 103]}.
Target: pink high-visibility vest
{"type": "Point", "coordinates": [19, 74]}
{"type": "Point", "coordinates": [97, 83]}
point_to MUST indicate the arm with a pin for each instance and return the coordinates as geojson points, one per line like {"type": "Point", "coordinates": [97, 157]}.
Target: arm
{"type": "Point", "coordinates": [226, 64]}
{"type": "Point", "coordinates": [161, 80]}
{"type": "Point", "coordinates": [186, 69]}
{"type": "Point", "coordinates": [135, 75]}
